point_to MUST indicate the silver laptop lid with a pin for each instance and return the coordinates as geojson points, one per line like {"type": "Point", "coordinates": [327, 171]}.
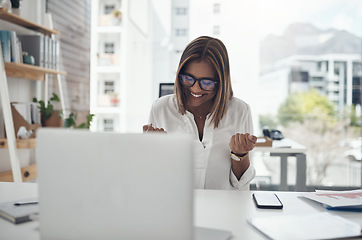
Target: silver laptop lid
{"type": "Point", "coordinates": [114, 186]}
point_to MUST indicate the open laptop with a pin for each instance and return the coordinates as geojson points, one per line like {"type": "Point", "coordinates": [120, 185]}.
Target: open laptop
{"type": "Point", "coordinates": [116, 186]}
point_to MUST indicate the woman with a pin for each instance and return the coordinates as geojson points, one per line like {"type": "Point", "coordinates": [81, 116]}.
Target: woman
{"type": "Point", "coordinates": [204, 107]}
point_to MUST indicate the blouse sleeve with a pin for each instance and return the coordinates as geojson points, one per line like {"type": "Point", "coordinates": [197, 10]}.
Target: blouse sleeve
{"type": "Point", "coordinates": [153, 115]}
{"type": "Point", "coordinates": [244, 182]}
{"type": "Point", "coordinates": [246, 124]}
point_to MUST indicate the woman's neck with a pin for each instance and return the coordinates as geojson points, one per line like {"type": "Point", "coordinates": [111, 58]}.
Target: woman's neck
{"type": "Point", "coordinates": [200, 111]}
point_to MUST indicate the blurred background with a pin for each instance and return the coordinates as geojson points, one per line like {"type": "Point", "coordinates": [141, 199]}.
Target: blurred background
{"type": "Point", "coordinates": [296, 63]}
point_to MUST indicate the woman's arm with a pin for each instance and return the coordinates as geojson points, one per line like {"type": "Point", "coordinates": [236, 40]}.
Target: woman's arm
{"type": "Point", "coordinates": [240, 145]}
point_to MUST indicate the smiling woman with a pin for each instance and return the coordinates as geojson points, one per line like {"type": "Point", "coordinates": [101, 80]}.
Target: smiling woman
{"type": "Point", "coordinates": [203, 107]}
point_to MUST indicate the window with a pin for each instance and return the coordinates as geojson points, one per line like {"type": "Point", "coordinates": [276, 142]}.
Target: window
{"type": "Point", "coordinates": [321, 87]}
{"type": "Point", "coordinates": [165, 89]}
{"type": "Point", "coordinates": [108, 125]}
{"type": "Point", "coordinates": [216, 8]}
{"type": "Point", "coordinates": [109, 47]}
{"type": "Point", "coordinates": [108, 86]}
{"type": "Point", "coordinates": [181, 32]}
{"type": "Point", "coordinates": [299, 76]}
{"type": "Point", "coordinates": [108, 8]}
{"type": "Point", "coordinates": [181, 11]}
{"type": "Point", "coordinates": [216, 30]}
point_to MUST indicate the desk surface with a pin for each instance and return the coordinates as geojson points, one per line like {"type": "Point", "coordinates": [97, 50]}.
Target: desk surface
{"type": "Point", "coordinates": [218, 209]}
{"type": "Point", "coordinates": [285, 145]}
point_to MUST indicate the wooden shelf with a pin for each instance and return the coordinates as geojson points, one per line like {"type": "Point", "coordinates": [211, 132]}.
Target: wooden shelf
{"type": "Point", "coordinates": [24, 71]}
{"type": "Point", "coordinates": [20, 70]}
{"type": "Point", "coordinates": [27, 173]}
{"type": "Point", "coordinates": [21, 143]}
{"type": "Point", "coordinates": [15, 19]}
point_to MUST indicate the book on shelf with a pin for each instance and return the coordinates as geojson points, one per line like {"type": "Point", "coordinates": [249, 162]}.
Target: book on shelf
{"type": "Point", "coordinates": [42, 48]}
{"type": "Point", "coordinates": [19, 211]}
{"type": "Point", "coordinates": [20, 51]}
{"type": "Point", "coordinates": [50, 51]}
{"type": "Point", "coordinates": [5, 45]}
{"type": "Point", "coordinates": [46, 50]}
{"type": "Point", "coordinates": [11, 46]}
{"type": "Point", "coordinates": [16, 54]}
{"type": "Point", "coordinates": [55, 54]}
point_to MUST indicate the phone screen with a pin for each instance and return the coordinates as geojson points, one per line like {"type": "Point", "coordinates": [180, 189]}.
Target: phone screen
{"type": "Point", "coordinates": [267, 200]}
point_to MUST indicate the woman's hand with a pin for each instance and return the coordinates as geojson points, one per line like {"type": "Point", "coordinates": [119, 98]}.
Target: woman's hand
{"type": "Point", "coordinates": [242, 143]}
{"type": "Point", "coordinates": [149, 128]}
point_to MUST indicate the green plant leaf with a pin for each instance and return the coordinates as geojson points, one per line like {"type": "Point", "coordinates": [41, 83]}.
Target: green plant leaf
{"type": "Point", "coordinates": [54, 98]}
{"type": "Point", "coordinates": [70, 121]}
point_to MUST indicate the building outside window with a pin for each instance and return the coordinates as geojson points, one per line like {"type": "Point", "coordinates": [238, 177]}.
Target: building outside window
{"type": "Point", "coordinates": [109, 47]}
{"type": "Point", "coordinates": [216, 8]}
{"type": "Point", "coordinates": [181, 11]}
{"type": "Point", "coordinates": [108, 125]}
{"type": "Point", "coordinates": [106, 69]}
{"type": "Point", "coordinates": [181, 32]}
{"type": "Point", "coordinates": [108, 86]}
{"type": "Point", "coordinates": [108, 8]}
{"type": "Point", "coordinates": [216, 30]}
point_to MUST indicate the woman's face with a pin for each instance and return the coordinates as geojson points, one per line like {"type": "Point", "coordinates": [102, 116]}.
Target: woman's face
{"type": "Point", "coordinates": [195, 95]}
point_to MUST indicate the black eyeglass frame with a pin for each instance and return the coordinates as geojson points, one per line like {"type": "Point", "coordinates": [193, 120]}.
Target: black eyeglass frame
{"type": "Point", "coordinates": [197, 80]}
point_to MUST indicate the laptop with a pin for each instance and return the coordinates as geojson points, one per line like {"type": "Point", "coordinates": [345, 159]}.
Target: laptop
{"type": "Point", "coordinates": [95, 185]}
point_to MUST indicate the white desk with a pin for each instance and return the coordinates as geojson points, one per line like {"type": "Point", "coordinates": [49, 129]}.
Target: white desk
{"type": "Point", "coordinates": [219, 209]}
{"type": "Point", "coordinates": [287, 148]}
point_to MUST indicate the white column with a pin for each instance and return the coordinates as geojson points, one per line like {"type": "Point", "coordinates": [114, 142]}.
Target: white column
{"type": "Point", "coordinates": [349, 86]}
{"type": "Point", "coordinates": [341, 77]}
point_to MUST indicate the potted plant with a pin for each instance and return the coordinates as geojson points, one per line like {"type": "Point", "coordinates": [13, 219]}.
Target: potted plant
{"type": "Point", "coordinates": [15, 7]}
{"type": "Point", "coordinates": [49, 116]}
{"type": "Point", "coordinates": [117, 16]}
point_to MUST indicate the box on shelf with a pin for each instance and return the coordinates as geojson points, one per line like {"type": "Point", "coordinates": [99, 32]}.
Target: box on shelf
{"type": "Point", "coordinates": [19, 121]}
{"type": "Point", "coordinates": [53, 121]}
{"type": "Point", "coordinates": [264, 142]}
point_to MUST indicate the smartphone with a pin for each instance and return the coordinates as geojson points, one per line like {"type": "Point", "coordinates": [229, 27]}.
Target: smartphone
{"type": "Point", "coordinates": [267, 200]}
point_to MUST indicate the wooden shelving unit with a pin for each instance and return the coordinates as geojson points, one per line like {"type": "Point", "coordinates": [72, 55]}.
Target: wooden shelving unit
{"type": "Point", "coordinates": [27, 173]}
{"type": "Point", "coordinates": [15, 19]}
{"type": "Point", "coordinates": [24, 71]}
{"type": "Point", "coordinates": [31, 72]}
{"type": "Point", "coordinates": [21, 143]}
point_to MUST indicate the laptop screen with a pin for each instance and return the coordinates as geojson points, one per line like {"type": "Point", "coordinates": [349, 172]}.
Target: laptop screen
{"type": "Point", "coordinates": [114, 186]}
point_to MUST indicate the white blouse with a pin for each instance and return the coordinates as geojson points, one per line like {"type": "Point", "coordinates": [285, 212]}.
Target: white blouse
{"type": "Point", "coordinates": [212, 168]}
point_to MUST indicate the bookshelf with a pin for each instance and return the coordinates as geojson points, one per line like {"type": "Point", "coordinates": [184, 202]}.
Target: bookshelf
{"type": "Point", "coordinates": [27, 72]}
{"type": "Point", "coordinates": [20, 143]}
{"type": "Point", "coordinates": [30, 72]}
{"type": "Point", "coordinates": [15, 19]}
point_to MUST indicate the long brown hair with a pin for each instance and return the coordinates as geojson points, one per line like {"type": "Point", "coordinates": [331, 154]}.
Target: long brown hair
{"type": "Point", "coordinates": [213, 51]}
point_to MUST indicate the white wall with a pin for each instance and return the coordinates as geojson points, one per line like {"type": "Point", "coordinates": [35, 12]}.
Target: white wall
{"type": "Point", "coordinates": [150, 56]}
{"type": "Point", "coordinates": [138, 70]}
{"type": "Point", "coordinates": [237, 21]}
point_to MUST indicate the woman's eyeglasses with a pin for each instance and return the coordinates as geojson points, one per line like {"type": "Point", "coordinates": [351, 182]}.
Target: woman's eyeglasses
{"type": "Point", "coordinates": [205, 84]}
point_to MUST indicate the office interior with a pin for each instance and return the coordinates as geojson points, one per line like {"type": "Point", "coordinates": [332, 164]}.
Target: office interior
{"type": "Point", "coordinates": [103, 44]}
{"type": "Point", "coordinates": [298, 65]}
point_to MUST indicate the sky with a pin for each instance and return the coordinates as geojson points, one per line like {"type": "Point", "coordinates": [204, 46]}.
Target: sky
{"type": "Point", "coordinates": [276, 15]}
